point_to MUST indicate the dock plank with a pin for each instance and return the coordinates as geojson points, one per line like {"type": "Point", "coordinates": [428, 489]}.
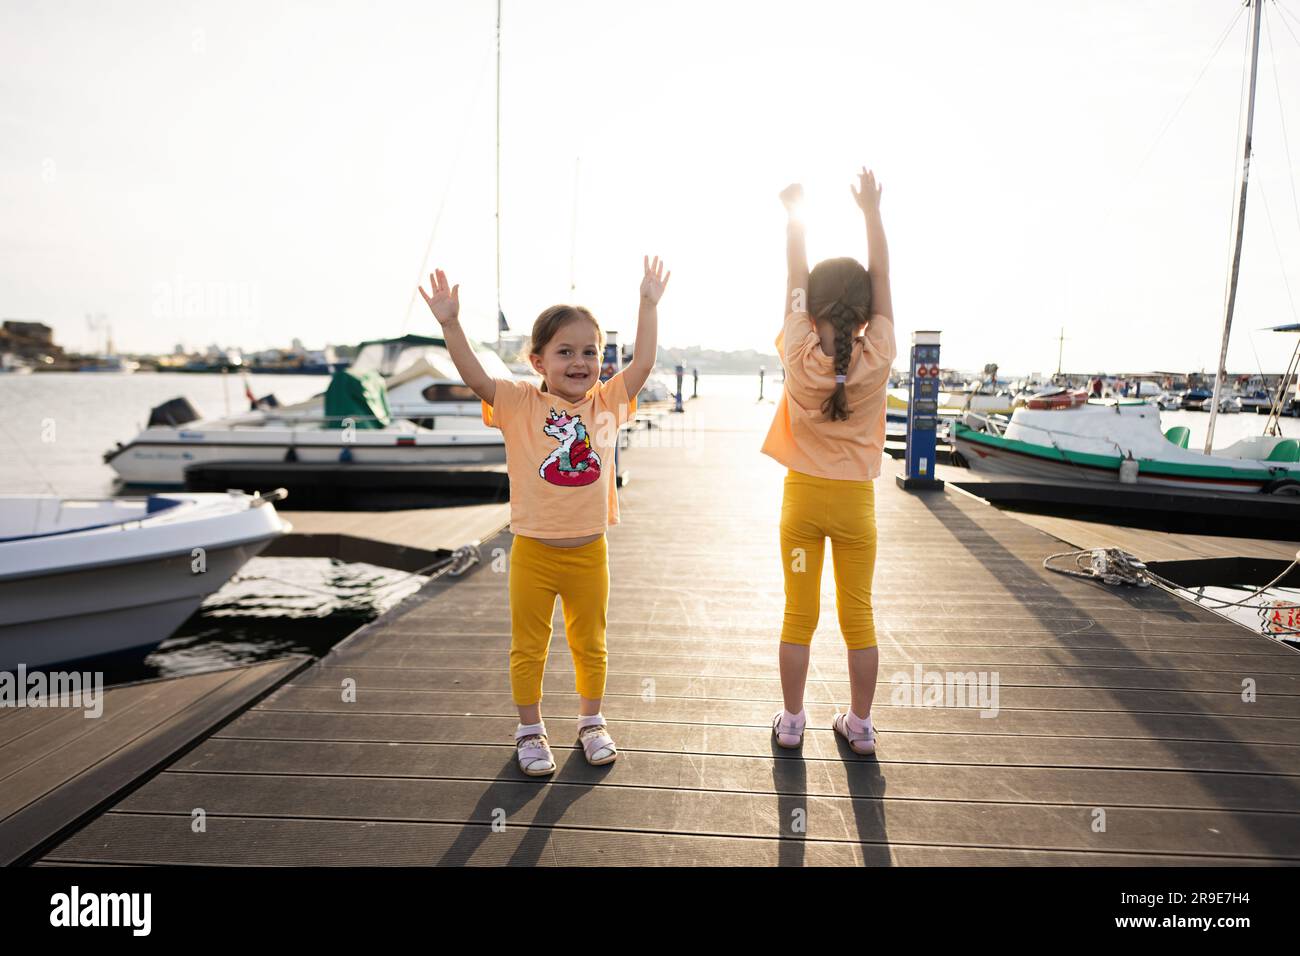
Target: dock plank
{"type": "Point", "coordinates": [142, 726]}
{"type": "Point", "coordinates": [1268, 658]}
{"type": "Point", "coordinates": [723, 813]}
{"type": "Point", "coordinates": [978, 745]}
{"type": "Point", "coordinates": [1157, 545]}
{"type": "Point", "coordinates": [825, 776]}
{"type": "Point", "coordinates": [277, 841]}
{"type": "Point", "coordinates": [1203, 717]}
{"type": "Point", "coordinates": [407, 539]}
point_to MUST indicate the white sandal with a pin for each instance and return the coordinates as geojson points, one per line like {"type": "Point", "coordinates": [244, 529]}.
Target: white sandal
{"type": "Point", "coordinates": [535, 757]}
{"type": "Point", "coordinates": [788, 729]}
{"type": "Point", "coordinates": [597, 744]}
{"type": "Point", "coordinates": [864, 742]}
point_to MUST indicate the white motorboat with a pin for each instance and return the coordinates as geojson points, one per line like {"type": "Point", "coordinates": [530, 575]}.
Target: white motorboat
{"type": "Point", "coordinates": [422, 382]}
{"type": "Point", "coordinates": [1001, 402]}
{"type": "Point", "coordinates": [85, 577]}
{"type": "Point", "coordinates": [357, 427]}
{"type": "Point", "coordinates": [1021, 395]}
{"type": "Point", "coordinates": [1258, 401]}
{"type": "Point", "coordinates": [1099, 441]}
{"type": "Point", "coordinates": [985, 396]}
{"type": "Point", "coordinates": [159, 455]}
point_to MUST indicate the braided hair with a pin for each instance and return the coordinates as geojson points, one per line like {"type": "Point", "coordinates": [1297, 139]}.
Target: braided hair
{"type": "Point", "coordinates": [839, 292]}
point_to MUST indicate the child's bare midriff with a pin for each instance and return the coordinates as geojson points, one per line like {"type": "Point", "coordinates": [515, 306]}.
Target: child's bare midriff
{"type": "Point", "coordinates": [569, 542]}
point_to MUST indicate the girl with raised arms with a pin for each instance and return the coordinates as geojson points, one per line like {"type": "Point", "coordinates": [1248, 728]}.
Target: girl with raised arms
{"type": "Point", "coordinates": [837, 346]}
{"type": "Point", "coordinates": [560, 440]}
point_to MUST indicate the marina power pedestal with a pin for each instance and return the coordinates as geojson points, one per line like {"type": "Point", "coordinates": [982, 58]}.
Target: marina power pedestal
{"type": "Point", "coordinates": [922, 415]}
{"type": "Point", "coordinates": [611, 365]}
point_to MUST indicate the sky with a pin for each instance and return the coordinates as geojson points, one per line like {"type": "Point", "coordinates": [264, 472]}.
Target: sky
{"type": "Point", "coordinates": [246, 173]}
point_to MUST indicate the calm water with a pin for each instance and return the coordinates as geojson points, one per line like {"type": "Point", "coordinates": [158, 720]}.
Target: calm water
{"type": "Point", "coordinates": [1274, 612]}
{"type": "Point", "coordinates": [61, 423]}
{"type": "Point", "coordinates": [273, 607]}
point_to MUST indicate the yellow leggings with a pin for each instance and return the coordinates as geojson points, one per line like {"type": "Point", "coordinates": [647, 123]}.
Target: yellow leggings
{"type": "Point", "coordinates": [845, 511]}
{"type": "Point", "coordinates": [580, 577]}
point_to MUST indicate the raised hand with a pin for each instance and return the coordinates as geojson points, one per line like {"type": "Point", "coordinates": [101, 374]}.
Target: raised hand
{"type": "Point", "coordinates": [654, 282]}
{"type": "Point", "coordinates": [792, 195]}
{"type": "Point", "coordinates": [444, 302]}
{"type": "Point", "coordinates": [867, 193]}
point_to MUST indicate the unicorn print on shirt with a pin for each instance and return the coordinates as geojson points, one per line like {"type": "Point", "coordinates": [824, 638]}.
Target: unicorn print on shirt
{"type": "Point", "coordinates": [574, 462]}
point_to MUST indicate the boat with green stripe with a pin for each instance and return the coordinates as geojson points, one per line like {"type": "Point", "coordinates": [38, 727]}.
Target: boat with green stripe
{"type": "Point", "coordinates": [1122, 441]}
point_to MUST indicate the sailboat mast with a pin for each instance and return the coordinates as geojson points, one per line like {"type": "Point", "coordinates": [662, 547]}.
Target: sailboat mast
{"type": "Point", "coordinates": [573, 235]}
{"type": "Point", "coordinates": [1239, 224]}
{"type": "Point", "coordinates": [498, 212]}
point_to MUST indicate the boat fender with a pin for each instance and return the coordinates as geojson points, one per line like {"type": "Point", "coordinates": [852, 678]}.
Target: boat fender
{"type": "Point", "coordinates": [345, 454]}
{"type": "Point", "coordinates": [1128, 470]}
{"type": "Point", "coordinates": [291, 455]}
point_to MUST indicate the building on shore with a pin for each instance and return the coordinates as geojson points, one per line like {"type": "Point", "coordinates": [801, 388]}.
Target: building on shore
{"type": "Point", "coordinates": [31, 342]}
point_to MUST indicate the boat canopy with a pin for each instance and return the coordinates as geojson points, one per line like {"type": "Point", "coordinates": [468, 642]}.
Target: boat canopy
{"type": "Point", "coordinates": [393, 357]}
{"type": "Point", "coordinates": [358, 396]}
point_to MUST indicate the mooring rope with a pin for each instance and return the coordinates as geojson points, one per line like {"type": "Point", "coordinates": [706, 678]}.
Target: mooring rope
{"type": "Point", "coordinates": [1115, 566]}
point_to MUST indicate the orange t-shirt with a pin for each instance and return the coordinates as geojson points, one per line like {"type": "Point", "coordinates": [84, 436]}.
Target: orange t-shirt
{"type": "Point", "coordinates": [560, 456]}
{"type": "Point", "coordinates": [801, 436]}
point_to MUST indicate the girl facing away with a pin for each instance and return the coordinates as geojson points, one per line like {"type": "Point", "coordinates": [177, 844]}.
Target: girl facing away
{"type": "Point", "coordinates": [560, 441]}
{"type": "Point", "coordinates": [829, 431]}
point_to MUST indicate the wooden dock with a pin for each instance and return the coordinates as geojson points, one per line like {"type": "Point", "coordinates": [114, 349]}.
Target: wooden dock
{"type": "Point", "coordinates": [1121, 735]}
{"type": "Point", "coordinates": [408, 539]}
{"type": "Point", "coordinates": [57, 765]}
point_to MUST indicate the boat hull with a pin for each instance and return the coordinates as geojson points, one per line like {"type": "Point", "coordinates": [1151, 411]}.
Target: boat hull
{"type": "Point", "coordinates": [164, 463]}
{"type": "Point", "coordinates": [992, 455]}
{"type": "Point", "coordinates": [129, 606]}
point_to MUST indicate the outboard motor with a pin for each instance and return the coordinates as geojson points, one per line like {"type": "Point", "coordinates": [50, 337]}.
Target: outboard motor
{"type": "Point", "coordinates": [174, 413]}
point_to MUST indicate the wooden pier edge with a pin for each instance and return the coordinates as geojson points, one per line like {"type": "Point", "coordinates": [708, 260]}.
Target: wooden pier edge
{"type": "Point", "coordinates": [26, 834]}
